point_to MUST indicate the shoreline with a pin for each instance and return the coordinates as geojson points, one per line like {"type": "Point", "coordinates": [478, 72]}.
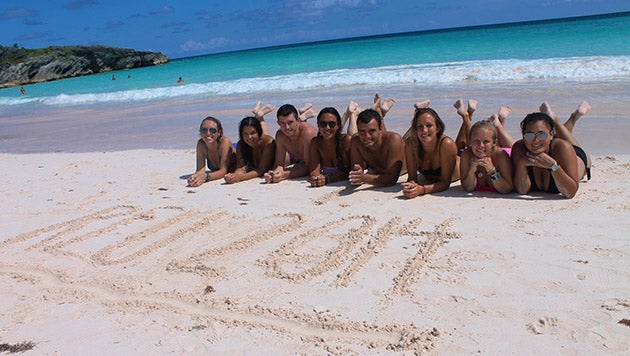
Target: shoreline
{"type": "Point", "coordinates": [171, 124]}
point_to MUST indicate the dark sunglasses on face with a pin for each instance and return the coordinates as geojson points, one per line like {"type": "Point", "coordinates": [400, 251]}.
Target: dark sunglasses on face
{"type": "Point", "coordinates": [205, 130]}
{"type": "Point", "coordinates": [541, 135]}
{"type": "Point", "coordinates": [330, 124]}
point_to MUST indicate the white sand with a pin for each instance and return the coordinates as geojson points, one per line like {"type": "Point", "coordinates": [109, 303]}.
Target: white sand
{"type": "Point", "coordinates": [109, 253]}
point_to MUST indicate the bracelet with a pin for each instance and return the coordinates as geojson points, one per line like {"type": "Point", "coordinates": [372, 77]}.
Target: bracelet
{"type": "Point", "coordinates": [493, 171]}
{"type": "Point", "coordinates": [495, 176]}
{"type": "Point", "coordinates": [207, 176]}
{"type": "Point", "coordinates": [327, 178]}
{"type": "Point", "coordinates": [554, 167]}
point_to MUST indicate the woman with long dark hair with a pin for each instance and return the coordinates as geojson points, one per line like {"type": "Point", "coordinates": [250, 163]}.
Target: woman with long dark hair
{"type": "Point", "coordinates": [255, 151]}
{"type": "Point", "coordinates": [329, 150]}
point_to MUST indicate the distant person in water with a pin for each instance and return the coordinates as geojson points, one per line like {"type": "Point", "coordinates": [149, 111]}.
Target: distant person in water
{"type": "Point", "coordinates": [180, 80]}
{"type": "Point", "coordinates": [214, 151]}
{"type": "Point", "coordinates": [376, 155]}
{"type": "Point", "coordinates": [255, 152]}
{"type": "Point", "coordinates": [22, 90]}
{"type": "Point", "coordinates": [113, 77]}
{"type": "Point", "coordinates": [549, 158]}
{"type": "Point", "coordinates": [292, 139]}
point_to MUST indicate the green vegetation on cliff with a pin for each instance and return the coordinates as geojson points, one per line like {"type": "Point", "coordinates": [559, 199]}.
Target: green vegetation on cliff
{"type": "Point", "coordinates": [19, 66]}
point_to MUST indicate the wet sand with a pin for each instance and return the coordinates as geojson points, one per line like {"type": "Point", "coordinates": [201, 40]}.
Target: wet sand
{"type": "Point", "coordinates": [172, 124]}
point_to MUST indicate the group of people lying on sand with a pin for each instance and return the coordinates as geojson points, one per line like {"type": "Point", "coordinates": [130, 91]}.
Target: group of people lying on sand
{"type": "Point", "coordinates": [483, 156]}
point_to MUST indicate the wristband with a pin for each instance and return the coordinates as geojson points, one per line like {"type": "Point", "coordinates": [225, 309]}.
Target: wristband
{"type": "Point", "coordinates": [495, 176]}
{"type": "Point", "coordinates": [207, 176]}
{"type": "Point", "coordinates": [554, 167]}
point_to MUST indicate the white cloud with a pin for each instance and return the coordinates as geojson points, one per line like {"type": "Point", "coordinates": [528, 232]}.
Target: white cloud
{"type": "Point", "coordinates": [191, 46]}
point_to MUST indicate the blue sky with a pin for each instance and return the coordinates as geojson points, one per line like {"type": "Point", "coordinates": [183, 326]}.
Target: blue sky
{"type": "Point", "coordinates": [189, 28]}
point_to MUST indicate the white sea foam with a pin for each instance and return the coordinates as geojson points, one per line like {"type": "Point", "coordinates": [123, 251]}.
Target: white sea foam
{"type": "Point", "coordinates": [487, 71]}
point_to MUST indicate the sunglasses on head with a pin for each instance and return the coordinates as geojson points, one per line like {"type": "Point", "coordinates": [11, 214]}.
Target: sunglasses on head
{"type": "Point", "coordinates": [205, 130]}
{"type": "Point", "coordinates": [541, 135]}
{"type": "Point", "coordinates": [330, 124]}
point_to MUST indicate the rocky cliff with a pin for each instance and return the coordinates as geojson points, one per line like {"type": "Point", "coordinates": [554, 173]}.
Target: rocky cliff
{"type": "Point", "coordinates": [19, 66]}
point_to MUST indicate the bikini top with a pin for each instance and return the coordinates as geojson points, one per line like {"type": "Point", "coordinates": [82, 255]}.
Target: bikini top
{"type": "Point", "coordinates": [435, 172]}
{"type": "Point", "coordinates": [532, 178]}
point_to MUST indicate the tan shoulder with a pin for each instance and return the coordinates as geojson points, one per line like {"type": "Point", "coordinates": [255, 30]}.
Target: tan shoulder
{"type": "Point", "coordinates": [447, 142]}
{"type": "Point", "coordinates": [308, 128]}
{"type": "Point", "coordinates": [266, 139]}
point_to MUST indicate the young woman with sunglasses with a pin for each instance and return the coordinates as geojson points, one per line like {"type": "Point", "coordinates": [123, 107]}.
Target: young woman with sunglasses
{"type": "Point", "coordinates": [214, 151]}
{"type": "Point", "coordinates": [329, 150]}
{"type": "Point", "coordinates": [549, 158]}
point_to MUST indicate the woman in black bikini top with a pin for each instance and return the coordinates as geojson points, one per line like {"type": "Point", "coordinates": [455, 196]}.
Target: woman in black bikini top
{"type": "Point", "coordinates": [430, 152]}
{"type": "Point", "coordinates": [545, 161]}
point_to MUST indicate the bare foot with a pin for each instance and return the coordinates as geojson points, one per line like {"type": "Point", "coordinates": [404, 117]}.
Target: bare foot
{"type": "Point", "coordinates": [352, 107]}
{"type": "Point", "coordinates": [386, 105]}
{"type": "Point", "coordinates": [459, 105]}
{"type": "Point", "coordinates": [422, 104]}
{"type": "Point", "coordinates": [304, 108]}
{"type": "Point", "coordinates": [259, 111]}
{"type": "Point", "coordinates": [577, 114]}
{"type": "Point", "coordinates": [256, 109]}
{"type": "Point", "coordinates": [377, 102]}
{"type": "Point", "coordinates": [504, 111]}
{"type": "Point", "coordinates": [307, 114]}
{"type": "Point", "coordinates": [267, 109]}
{"type": "Point", "coordinates": [546, 108]}
{"type": "Point", "coordinates": [583, 108]}
{"type": "Point", "coordinates": [472, 106]}
{"type": "Point", "coordinates": [494, 119]}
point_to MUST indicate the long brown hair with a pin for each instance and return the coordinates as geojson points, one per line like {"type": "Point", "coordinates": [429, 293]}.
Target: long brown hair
{"type": "Point", "coordinates": [412, 140]}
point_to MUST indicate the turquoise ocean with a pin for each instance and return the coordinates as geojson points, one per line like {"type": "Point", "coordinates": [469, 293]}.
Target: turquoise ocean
{"type": "Point", "coordinates": [561, 61]}
{"type": "Point", "coordinates": [578, 49]}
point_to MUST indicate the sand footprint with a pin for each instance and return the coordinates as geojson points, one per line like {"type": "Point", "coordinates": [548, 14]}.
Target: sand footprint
{"type": "Point", "coordinates": [544, 325]}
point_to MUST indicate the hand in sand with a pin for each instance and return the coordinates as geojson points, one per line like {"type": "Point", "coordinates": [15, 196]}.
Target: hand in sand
{"type": "Point", "coordinates": [196, 179]}
{"type": "Point", "coordinates": [356, 175]}
{"type": "Point", "coordinates": [318, 180]}
{"type": "Point", "coordinates": [231, 178]}
{"type": "Point", "coordinates": [411, 189]}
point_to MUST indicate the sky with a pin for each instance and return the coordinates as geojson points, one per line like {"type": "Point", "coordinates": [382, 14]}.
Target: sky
{"type": "Point", "coordinates": [190, 28]}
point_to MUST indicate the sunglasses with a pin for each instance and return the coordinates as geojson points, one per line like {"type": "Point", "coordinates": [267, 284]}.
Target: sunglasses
{"type": "Point", "coordinates": [541, 135]}
{"type": "Point", "coordinates": [204, 130]}
{"type": "Point", "coordinates": [330, 124]}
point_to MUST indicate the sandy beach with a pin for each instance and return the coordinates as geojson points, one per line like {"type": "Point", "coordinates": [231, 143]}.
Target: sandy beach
{"type": "Point", "coordinates": [105, 250]}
